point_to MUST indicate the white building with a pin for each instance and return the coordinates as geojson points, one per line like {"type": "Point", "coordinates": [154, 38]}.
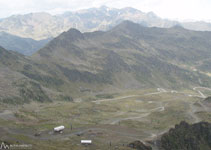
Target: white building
{"type": "Point", "coordinates": [86, 141]}
{"type": "Point", "coordinates": [59, 129]}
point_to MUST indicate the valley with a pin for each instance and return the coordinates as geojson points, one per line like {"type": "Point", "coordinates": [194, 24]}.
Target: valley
{"type": "Point", "coordinates": [115, 87]}
{"type": "Point", "coordinates": [132, 115]}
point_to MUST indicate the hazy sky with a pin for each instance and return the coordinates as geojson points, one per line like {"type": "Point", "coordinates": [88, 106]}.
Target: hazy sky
{"type": "Point", "coordinates": [171, 9]}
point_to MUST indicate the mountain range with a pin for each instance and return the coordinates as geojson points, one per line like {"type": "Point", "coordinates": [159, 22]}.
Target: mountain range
{"type": "Point", "coordinates": [41, 26]}
{"type": "Point", "coordinates": [128, 56]}
{"type": "Point", "coordinates": [26, 46]}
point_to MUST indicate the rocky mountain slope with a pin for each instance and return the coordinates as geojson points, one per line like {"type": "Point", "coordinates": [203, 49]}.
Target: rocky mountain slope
{"type": "Point", "coordinates": [188, 137]}
{"type": "Point", "coordinates": [183, 137]}
{"type": "Point", "coordinates": [129, 56]}
{"type": "Point", "coordinates": [24, 46]}
{"type": "Point", "coordinates": [18, 88]}
{"type": "Point", "coordinates": [43, 25]}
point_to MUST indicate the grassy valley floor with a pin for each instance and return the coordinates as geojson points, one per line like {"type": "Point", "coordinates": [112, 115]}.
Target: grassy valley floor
{"type": "Point", "coordinates": [110, 121]}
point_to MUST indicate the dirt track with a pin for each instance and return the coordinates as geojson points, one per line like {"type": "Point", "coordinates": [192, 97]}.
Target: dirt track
{"type": "Point", "coordinates": [135, 136]}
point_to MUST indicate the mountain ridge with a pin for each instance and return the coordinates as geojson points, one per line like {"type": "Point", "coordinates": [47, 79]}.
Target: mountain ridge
{"type": "Point", "coordinates": [113, 44]}
{"type": "Point", "coordinates": [129, 56]}
{"type": "Point", "coordinates": [26, 46]}
{"type": "Point", "coordinates": [89, 20]}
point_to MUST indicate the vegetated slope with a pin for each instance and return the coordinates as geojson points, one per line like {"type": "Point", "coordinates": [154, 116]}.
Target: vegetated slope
{"type": "Point", "coordinates": [188, 137]}
{"type": "Point", "coordinates": [43, 25]}
{"type": "Point", "coordinates": [128, 56]}
{"type": "Point", "coordinates": [17, 87]}
{"type": "Point", "coordinates": [24, 46]}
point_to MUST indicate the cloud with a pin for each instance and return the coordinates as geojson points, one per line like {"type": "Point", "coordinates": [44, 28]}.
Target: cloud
{"type": "Point", "coordinates": [180, 9]}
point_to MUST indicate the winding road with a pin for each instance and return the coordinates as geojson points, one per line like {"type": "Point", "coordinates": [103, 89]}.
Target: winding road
{"type": "Point", "coordinates": [112, 122]}
{"type": "Point", "coordinates": [201, 94]}
{"type": "Point", "coordinates": [159, 91]}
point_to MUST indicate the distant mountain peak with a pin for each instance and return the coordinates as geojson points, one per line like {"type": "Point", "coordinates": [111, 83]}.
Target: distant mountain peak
{"type": "Point", "coordinates": [40, 13]}
{"type": "Point", "coordinates": [131, 9]}
{"type": "Point", "coordinates": [73, 31]}
{"type": "Point", "coordinates": [178, 26]}
{"type": "Point", "coordinates": [104, 7]}
{"type": "Point", "coordinates": [128, 25]}
{"type": "Point", "coordinates": [43, 25]}
{"type": "Point", "coordinates": [152, 14]}
{"type": "Point", "coordinates": [71, 35]}
{"type": "Point", "coordinates": [36, 14]}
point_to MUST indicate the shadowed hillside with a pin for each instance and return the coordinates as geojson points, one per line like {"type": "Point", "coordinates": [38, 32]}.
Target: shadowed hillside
{"type": "Point", "coordinates": [129, 56]}
{"type": "Point", "coordinates": [18, 86]}
{"type": "Point", "coordinates": [24, 46]}
{"type": "Point", "coordinates": [188, 137]}
{"type": "Point", "coordinates": [126, 57]}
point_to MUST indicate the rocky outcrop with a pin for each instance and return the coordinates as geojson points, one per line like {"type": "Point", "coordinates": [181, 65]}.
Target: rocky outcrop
{"type": "Point", "coordinates": [188, 137]}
